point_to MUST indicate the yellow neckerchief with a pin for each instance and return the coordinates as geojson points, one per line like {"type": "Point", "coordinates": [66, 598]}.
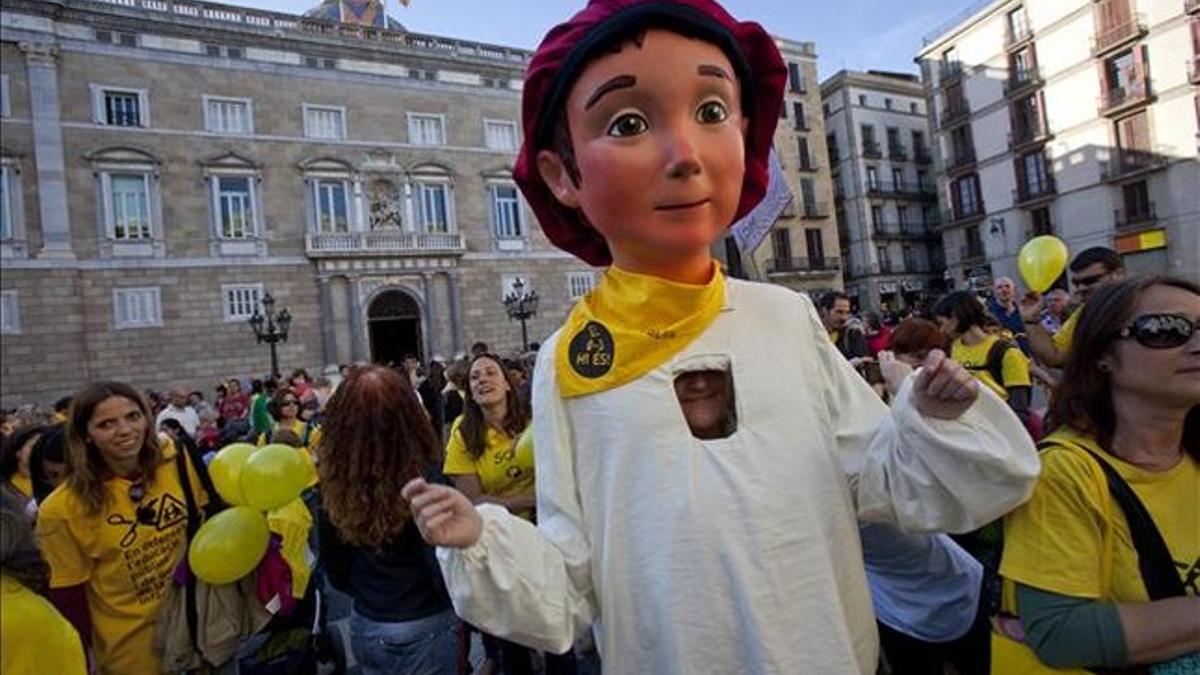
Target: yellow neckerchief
{"type": "Point", "coordinates": [629, 325]}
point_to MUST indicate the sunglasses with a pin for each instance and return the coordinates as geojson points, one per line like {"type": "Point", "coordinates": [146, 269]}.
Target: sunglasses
{"type": "Point", "coordinates": [145, 514]}
{"type": "Point", "coordinates": [1087, 282]}
{"type": "Point", "coordinates": [1159, 331]}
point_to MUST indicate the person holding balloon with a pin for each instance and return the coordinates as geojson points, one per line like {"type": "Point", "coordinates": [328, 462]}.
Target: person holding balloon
{"type": "Point", "coordinates": [1041, 262]}
{"type": "Point", "coordinates": [377, 437]}
{"type": "Point", "coordinates": [115, 530]}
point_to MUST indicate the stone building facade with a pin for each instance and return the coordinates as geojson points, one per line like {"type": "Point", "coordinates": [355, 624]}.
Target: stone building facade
{"type": "Point", "coordinates": [1079, 119]}
{"type": "Point", "coordinates": [884, 186]}
{"type": "Point", "coordinates": [166, 163]}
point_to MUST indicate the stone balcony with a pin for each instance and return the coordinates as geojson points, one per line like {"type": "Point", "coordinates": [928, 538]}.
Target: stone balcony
{"type": "Point", "coordinates": [383, 243]}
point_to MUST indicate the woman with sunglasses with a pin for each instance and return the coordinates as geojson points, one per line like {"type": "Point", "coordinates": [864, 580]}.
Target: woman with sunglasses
{"type": "Point", "coordinates": [1075, 592]}
{"type": "Point", "coordinates": [284, 408]}
{"type": "Point", "coordinates": [115, 530]}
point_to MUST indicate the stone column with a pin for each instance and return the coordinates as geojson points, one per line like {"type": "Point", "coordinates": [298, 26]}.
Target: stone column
{"type": "Point", "coordinates": [328, 338]}
{"type": "Point", "coordinates": [41, 61]}
{"type": "Point", "coordinates": [455, 312]}
{"type": "Point", "coordinates": [429, 283]}
{"type": "Point", "coordinates": [357, 343]}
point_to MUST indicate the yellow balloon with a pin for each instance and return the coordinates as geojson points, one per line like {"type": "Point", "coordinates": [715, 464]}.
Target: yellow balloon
{"type": "Point", "coordinates": [525, 447]}
{"type": "Point", "coordinates": [229, 545]}
{"type": "Point", "coordinates": [274, 476]}
{"type": "Point", "coordinates": [1043, 259]}
{"type": "Point", "coordinates": [226, 472]}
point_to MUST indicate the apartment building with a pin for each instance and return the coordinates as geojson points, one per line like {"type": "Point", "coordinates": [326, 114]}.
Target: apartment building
{"type": "Point", "coordinates": [1072, 118]}
{"type": "Point", "coordinates": [877, 135]}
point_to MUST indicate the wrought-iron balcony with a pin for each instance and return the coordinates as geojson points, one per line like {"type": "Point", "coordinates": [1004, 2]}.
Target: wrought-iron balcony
{"type": "Point", "coordinates": [922, 156]}
{"type": "Point", "coordinates": [871, 149]}
{"type": "Point", "coordinates": [961, 160]}
{"type": "Point", "coordinates": [1118, 36]}
{"type": "Point", "coordinates": [1030, 195]}
{"type": "Point", "coordinates": [961, 216]}
{"type": "Point", "coordinates": [1020, 82]}
{"type": "Point", "coordinates": [901, 231]}
{"type": "Point", "coordinates": [1130, 163]}
{"type": "Point", "coordinates": [971, 254]}
{"type": "Point", "coordinates": [897, 152]}
{"type": "Point", "coordinates": [1016, 36]}
{"type": "Point", "coordinates": [955, 114]}
{"type": "Point", "coordinates": [807, 266]}
{"type": "Point", "coordinates": [383, 243]}
{"type": "Point", "coordinates": [950, 72]}
{"type": "Point", "coordinates": [902, 190]}
{"type": "Point", "coordinates": [1021, 138]}
{"type": "Point", "coordinates": [1133, 219]}
{"type": "Point", "coordinates": [1120, 99]}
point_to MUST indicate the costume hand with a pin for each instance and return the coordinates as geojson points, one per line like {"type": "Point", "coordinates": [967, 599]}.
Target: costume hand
{"type": "Point", "coordinates": [1031, 306]}
{"type": "Point", "coordinates": [944, 389]}
{"type": "Point", "coordinates": [444, 515]}
{"type": "Point", "coordinates": [894, 371]}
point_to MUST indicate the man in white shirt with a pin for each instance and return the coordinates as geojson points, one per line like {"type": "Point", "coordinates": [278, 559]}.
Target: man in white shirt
{"type": "Point", "coordinates": [178, 409]}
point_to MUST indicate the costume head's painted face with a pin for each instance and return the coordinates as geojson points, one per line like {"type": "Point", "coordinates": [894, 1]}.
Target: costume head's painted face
{"type": "Point", "coordinates": [657, 132]}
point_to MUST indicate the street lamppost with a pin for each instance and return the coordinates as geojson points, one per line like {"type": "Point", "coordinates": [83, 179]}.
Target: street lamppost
{"type": "Point", "coordinates": [275, 330]}
{"type": "Point", "coordinates": [521, 306]}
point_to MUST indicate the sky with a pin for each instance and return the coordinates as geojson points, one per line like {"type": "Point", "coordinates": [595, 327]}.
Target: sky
{"type": "Point", "coordinates": [852, 34]}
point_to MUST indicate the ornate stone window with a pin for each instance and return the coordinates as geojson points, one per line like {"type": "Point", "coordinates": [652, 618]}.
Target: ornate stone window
{"type": "Point", "coordinates": [129, 217]}
{"type": "Point", "coordinates": [431, 199]}
{"type": "Point", "coordinates": [333, 196]}
{"type": "Point", "coordinates": [235, 205]}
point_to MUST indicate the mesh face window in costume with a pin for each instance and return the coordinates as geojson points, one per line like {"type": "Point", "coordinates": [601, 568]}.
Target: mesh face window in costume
{"type": "Point", "coordinates": [699, 523]}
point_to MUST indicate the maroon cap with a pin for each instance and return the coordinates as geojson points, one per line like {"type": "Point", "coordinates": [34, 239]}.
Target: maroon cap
{"type": "Point", "coordinates": [570, 46]}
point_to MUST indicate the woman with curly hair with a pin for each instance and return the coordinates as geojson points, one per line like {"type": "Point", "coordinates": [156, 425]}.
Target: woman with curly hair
{"type": "Point", "coordinates": [375, 438]}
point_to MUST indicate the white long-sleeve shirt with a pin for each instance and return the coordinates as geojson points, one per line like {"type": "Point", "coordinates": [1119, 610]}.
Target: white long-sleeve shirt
{"type": "Point", "coordinates": [740, 554]}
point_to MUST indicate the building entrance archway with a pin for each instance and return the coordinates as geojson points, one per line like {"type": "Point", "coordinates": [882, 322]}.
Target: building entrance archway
{"type": "Point", "coordinates": [394, 327]}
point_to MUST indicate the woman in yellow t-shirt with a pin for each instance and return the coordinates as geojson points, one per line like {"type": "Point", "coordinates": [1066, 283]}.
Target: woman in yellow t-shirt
{"type": "Point", "coordinates": [963, 318]}
{"type": "Point", "coordinates": [34, 637]}
{"type": "Point", "coordinates": [1074, 593]}
{"type": "Point", "coordinates": [115, 530]}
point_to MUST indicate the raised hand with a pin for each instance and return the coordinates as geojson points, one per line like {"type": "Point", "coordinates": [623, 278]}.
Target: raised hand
{"type": "Point", "coordinates": [1030, 305]}
{"type": "Point", "coordinates": [444, 515]}
{"type": "Point", "coordinates": [944, 389]}
{"type": "Point", "coordinates": [893, 370]}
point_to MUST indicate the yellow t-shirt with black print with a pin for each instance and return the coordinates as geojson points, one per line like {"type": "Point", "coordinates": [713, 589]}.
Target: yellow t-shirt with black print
{"type": "Point", "coordinates": [504, 470]}
{"type": "Point", "coordinates": [1071, 537]}
{"type": "Point", "coordinates": [1014, 368]}
{"type": "Point", "coordinates": [34, 637]}
{"type": "Point", "coordinates": [125, 561]}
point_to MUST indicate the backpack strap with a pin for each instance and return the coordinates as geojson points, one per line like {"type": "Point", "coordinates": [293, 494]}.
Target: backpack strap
{"type": "Point", "coordinates": [1154, 558]}
{"type": "Point", "coordinates": [193, 524]}
{"type": "Point", "coordinates": [995, 359]}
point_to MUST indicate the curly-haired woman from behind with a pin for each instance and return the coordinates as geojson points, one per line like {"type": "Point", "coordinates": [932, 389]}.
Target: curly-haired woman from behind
{"type": "Point", "coordinates": [376, 437]}
{"type": "Point", "coordinates": [1080, 594]}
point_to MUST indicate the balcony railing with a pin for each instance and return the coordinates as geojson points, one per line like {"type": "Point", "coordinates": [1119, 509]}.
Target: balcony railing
{"type": "Point", "coordinates": [1117, 36]}
{"type": "Point", "coordinates": [871, 149]}
{"type": "Point", "coordinates": [950, 72]}
{"type": "Point", "coordinates": [1027, 194]}
{"type": "Point", "coordinates": [922, 156]}
{"type": "Point", "coordinates": [1018, 35]}
{"type": "Point", "coordinates": [902, 190]}
{"type": "Point", "coordinates": [971, 253]}
{"type": "Point", "coordinates": [909, 231]}
{"type": "Point", "coordinates": [897, 152]}
{"type": "Point", "coordinates": [960, 216]}
{"type": "Point", "coordinates": [804, 265]}
{"type": "Point", "coordinates": [955, 114]}
{"type": "Point", "coordinates": [1127, 163]}
{"type": "Point", "coordinates": [1020, 138]}
{"type": "Point", "coordinates": [961, 160]}
{"type": "Point", "coordinates": [1119, 99]}
{"type": "Point", "coordinates": [1019, 81]}
{"type": "Point", "coordinates": [1135, 218]}
{"type": "Point", "coordinates": [379, 243]}
{"type": "Point", "coordinates": [813, 210]}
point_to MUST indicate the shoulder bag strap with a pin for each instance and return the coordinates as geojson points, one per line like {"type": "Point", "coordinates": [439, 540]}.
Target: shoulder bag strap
{"type": "Point", "coordinates": [1154, 559]}
{"type": "Point", "coordinates": [193, 524]}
